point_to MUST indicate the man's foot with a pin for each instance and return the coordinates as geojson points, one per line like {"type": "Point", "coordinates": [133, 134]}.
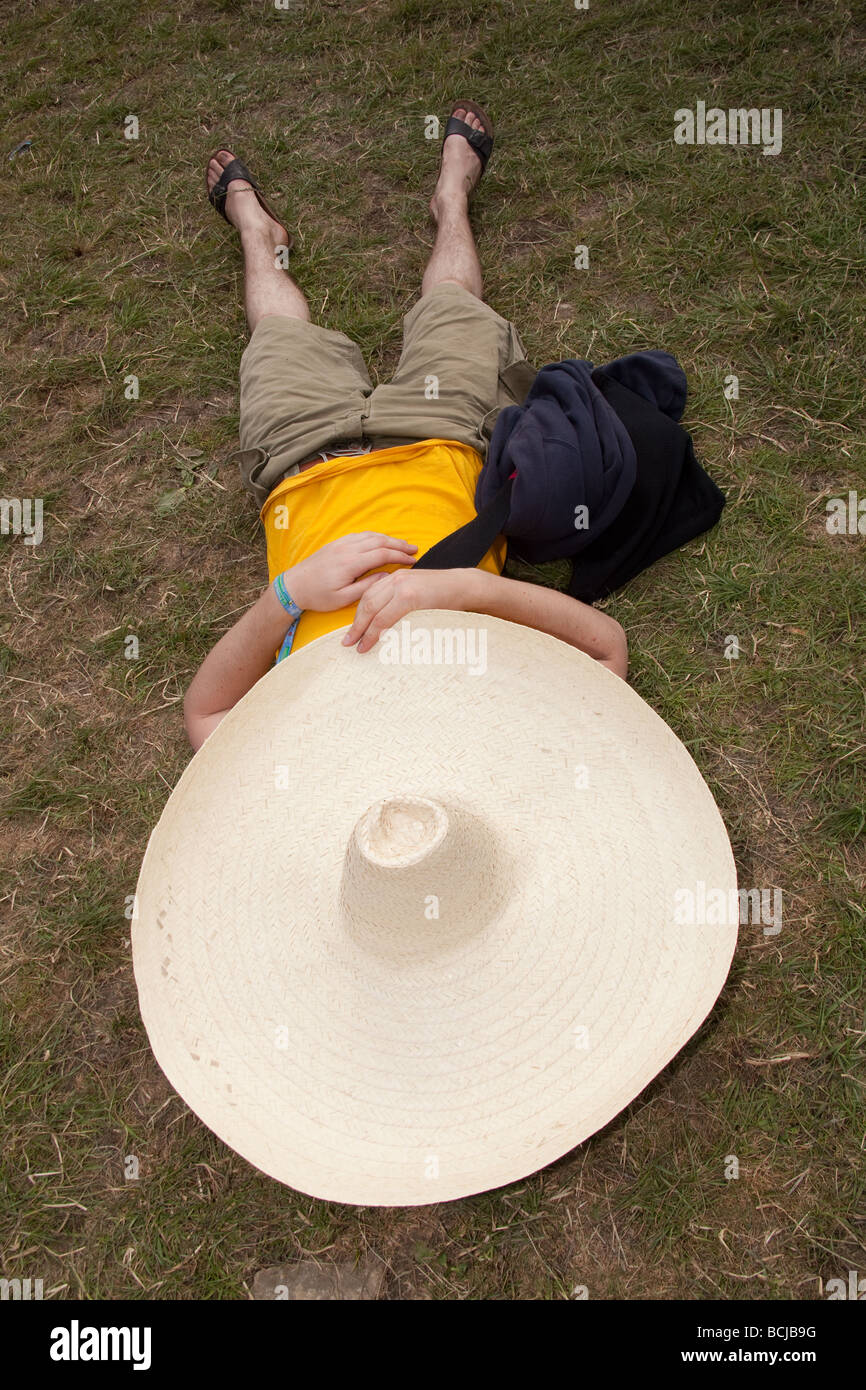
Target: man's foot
{"type": "Point", "coordinates": [242, 207]}
{"type": "Point", "coordinates": [461, 167]}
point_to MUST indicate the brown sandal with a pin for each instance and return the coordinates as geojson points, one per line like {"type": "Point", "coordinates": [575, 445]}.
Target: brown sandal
{"type": "Point", "coordinates": [236, 169]}
{"type": "Point", "coordinates": [480, 140]}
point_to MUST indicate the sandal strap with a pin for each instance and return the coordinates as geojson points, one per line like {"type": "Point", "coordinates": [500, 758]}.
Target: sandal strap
{"type": "Point", "coordinates": [481, 142]}
{"type": "Point", "coordinates": [235, 169]}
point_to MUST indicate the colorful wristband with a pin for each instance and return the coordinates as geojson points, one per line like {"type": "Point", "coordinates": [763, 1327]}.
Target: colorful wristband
{"type": "Point", "coordinates": [285, 598]}
{"type": "Point", "coordinates": [288, 603]}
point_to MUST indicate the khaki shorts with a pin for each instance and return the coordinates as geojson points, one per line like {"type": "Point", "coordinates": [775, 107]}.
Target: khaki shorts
{"type": "Point", "coordinates": [304, 388]}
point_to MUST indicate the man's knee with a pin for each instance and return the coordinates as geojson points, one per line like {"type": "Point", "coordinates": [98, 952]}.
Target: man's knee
{"type": "Point", "coordinates": [461, 285]}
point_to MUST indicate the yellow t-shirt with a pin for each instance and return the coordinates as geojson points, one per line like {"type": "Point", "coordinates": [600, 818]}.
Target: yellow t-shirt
{"type": "Point", "coordinates": [415, 492]}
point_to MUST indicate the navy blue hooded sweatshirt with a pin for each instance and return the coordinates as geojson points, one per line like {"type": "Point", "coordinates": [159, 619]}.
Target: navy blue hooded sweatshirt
{"type": "Point", "coordinates": [595, 466]}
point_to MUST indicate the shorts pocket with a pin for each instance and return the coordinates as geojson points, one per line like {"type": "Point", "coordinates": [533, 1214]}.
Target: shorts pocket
{"type": "Point", "coordinates": [252, 463]}
{"type": "Point", "coordinates": [518, 373]}
{"type": "Point", "coordinates": [515, 380]}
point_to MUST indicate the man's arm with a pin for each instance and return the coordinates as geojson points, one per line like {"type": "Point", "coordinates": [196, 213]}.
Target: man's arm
{"type": "Point", "coordinates": [478, 591]}
{"type": "Point", "coordinates": [325, 582]}
{"type": "Point", "coordinates": [548, 610]}
{"type": "Point", "coordinates": [335, 576]}
{"type": "Point", "coordinates": [232, 667]}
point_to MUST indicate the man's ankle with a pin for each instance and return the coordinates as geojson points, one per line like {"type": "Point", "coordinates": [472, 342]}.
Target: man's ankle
{"type": "Point", "coordinates": [258, 230]}
{"type": "Point", "coordinates": [450, 202]}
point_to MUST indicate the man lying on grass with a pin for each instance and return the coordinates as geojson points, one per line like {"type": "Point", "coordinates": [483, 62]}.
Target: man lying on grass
{"type": "Point", "coordinates": [356, 483]}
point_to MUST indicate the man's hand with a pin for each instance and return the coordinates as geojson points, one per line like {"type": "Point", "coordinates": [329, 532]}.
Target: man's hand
{"type": "Point", "coordinates": [391, 596]}
{"type": "Point", "coordinates": [336, 575]}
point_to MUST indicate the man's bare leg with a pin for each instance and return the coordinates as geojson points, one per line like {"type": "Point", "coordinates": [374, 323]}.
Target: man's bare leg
{"type": "Point", "coordinates": [268, 288]}
{"type": "Point", "coordinates": [454, 259]}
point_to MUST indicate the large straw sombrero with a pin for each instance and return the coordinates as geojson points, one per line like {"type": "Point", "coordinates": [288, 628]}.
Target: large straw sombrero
{"type": "Point", "coordinates": [407, 927]}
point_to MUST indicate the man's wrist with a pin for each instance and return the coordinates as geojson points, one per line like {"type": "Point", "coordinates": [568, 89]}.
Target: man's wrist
{"type": "Point", "coordinates": [284, 590]}
{"type": "Point", "coordinates": [276, 613]}
{"type": "Point", "coordinates": [473, 587]}
{"type": "Point", "coordinates": [282, 603]}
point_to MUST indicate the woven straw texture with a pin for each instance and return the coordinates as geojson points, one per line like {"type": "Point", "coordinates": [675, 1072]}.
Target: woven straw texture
{"type": "Point", "coordinates": [406, 932]}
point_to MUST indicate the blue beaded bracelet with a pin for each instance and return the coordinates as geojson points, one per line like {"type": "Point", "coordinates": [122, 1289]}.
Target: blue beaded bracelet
{"type": "Point", "coordinates": [292, 609]}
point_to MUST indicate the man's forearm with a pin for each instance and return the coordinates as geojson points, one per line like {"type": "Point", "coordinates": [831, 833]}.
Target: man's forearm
{"type": "Point", "coordinates": [239, 659]}
{"type": "Point", "coordinates": [586, 628]}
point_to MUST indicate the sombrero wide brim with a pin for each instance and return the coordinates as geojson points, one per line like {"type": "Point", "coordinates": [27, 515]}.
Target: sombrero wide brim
{"type": "Point", "coordinates": [407, 928]}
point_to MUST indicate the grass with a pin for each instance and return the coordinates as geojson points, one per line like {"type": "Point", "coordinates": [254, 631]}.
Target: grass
{"type": "Point", "coordinates": [114, 266]}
